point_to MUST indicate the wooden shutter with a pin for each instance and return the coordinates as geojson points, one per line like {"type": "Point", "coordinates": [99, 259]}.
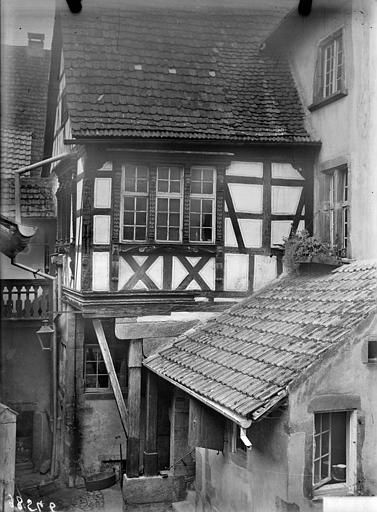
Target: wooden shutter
{"type": "Point", "coordinates": [206, 427]}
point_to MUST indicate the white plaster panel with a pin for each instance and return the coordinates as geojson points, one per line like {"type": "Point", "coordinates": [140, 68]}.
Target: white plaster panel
{"type": "Point", "coordinates": [284, 200]}
{"type": "Point", "coordinates": [101, 229]}
{"type": "Point", "coordinates": [140, 286]}
{"type": "Point", "coordinates": [254, 169]}
{"type": "Point", "coordinates": [78, 231]}
{"type": "Point", "coordinates": [265, 270]}
{"type": "Point", "coordinates": [193, 260]}
{"type": "Point", "coordinates": [251, 231]}
{"type": "Point", "coordinates": [156, 272]}
{"type": "Point", "coordinates": [246, 198]}
{"type": "Point", "coordinates": [102, 193]}
{"type": "Point", "coordinates": [279, 230]}
{"type": "Point", "coordinates": [236, 270]}
{"type": "Point", "coordinates": [178, 273]}
{"type": "Point", "coordinates": [140, 259]}
{"type": "Point", "coordinates": [125, 272]}
{"type": "Point", "coordinates": [80, 166]}
{"type": "Point", "coordinates": [79, 195]}
{"type": "Point", "coordinates": [78, 270]}
{"type": "Point", "coordinates": [193, 285]}
{"type": "Point", "coordinates": [230, 237]}
{"type": "Point", "coordinates": [208, 273]}
{"type": "Point", "coordinates": [101, 271]}
{"type": "Point", "coordinates": [285, 171]}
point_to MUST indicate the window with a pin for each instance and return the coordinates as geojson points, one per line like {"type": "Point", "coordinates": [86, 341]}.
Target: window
{"type": "Point", "coordinates": [168, 203]}
{"type": "Point", "coordinates": [372, 351]}
{"type": "Point", "coordinates": [334, 450]}
{"type": "Point", "coordinates": [329, 73]}
{"type": "Point", "coordinates": [202, 204]}
{"type": "Point", "coordinates": [96, 376]}
{"type": "Point", "coordinates": [135, 202]}
{"type": "Point", "coordinates": [338, 201]}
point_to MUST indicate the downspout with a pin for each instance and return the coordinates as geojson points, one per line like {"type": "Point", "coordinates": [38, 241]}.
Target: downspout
{"type": "Point", "coordinates": [27, 168]}
{"type": "Point", "coordinates": [243, 436]}
{"type": "Point", "coordinates": [55, 301]}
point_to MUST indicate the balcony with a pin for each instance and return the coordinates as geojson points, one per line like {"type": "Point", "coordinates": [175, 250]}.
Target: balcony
{"type": "Point", "coordinates": [25, 299]}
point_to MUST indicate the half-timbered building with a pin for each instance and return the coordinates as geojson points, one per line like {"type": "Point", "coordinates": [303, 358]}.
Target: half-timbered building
{"type": "Point", "coordinates": [190, 164]}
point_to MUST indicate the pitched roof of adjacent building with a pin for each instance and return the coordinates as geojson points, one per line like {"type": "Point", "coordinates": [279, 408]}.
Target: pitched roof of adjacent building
{"type": "Point", "coordinates": [159, 73]}
{"type": "Point", "coordinates": [243, 361]}
{"type": "Point", "coordinates": [24, 84]}
{"type": "Point", "coordinates": [25, 73]}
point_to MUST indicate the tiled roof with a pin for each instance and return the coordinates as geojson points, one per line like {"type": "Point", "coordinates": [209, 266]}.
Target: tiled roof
{"type": "Point", "coordinates": [37, 197]}
{"type": "Point", "coordinates": [244, 360]}
{"type": "Point", "coordinates": [24, 83]}
{"type": "Point", "coordinates": [178, 74]}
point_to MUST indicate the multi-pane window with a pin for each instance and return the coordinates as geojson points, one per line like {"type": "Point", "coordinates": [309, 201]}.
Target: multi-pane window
{"type": "Point", "coordinates": [135, 202]}
{"type": "Point", "coordinates": [96, 376]}
{"type": "Point", "coordinates": [169, 195]}
{"type": "Point", "coordinates": [168, 203]}
{"type": "Point", "coordinates": [338, 201]}
{"type": "Point", "coordinates": [202, 204]}
{"type": "Point", "coordinates": [333, 66]}
{"type": "Point", "coordinates": [330, 447]}
{"type": "Point", "coordinates": [329, 73]}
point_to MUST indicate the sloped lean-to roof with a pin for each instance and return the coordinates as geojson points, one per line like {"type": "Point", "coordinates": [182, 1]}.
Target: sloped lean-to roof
{"type": "Point", "coordinates": [159, 73]}
{"type": "Point", "coordinates": [242, 362]}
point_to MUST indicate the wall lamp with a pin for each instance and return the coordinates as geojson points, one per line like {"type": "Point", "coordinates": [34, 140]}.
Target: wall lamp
{"type": "Point", "coordinates": [44, 335]}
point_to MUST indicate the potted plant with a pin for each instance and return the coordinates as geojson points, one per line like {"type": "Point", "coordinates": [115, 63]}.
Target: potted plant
{"type": "Point", "coordinates": [302, 248]}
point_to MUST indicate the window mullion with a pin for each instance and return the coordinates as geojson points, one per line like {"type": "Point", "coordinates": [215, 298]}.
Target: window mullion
{"type": "Point", "coordinates": [186, 204]}
{"type": "Point", "coordinates": [152, 203]}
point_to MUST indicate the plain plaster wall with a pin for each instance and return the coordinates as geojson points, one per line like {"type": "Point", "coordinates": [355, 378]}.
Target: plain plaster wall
{"type": "Point", "coordinates": [346, 127]}
{"type": "Point", "coordinates": [255, 480]}
{"type": "Point", "coordinates": [343, 373]}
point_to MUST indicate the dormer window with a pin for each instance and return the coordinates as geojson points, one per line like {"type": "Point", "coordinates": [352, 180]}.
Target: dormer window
{"type": "Point", "coordinates": [168, 204]}
{"type": "Point", "coordinates": [372, 350]}
{"type": "Point", "coordinates": [329, 72]}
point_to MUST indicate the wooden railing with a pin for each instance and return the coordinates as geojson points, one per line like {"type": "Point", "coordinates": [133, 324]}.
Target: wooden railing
{"type": "Point", "coordinates": [27, 299]}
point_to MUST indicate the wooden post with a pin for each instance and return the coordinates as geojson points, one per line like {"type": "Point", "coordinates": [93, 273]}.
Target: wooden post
{"type": "Point", "coordinates": [112, 374]}
{"type": "Point", "coordinates": [135, 357]}
{"type": "Point", "coordinates": [150, 453]}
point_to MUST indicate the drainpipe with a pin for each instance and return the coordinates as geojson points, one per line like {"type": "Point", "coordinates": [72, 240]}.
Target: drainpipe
{"type": "Point", "coordinates": [55, 301]}
{"type": "Point", "coordinates": [243, 436]}
{"type": "Point", "coordinates": [17, 176]}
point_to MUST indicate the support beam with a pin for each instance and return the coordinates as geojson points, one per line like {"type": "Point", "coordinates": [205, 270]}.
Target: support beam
{"type": "Point", "coordinates": [135, 357]}
{"type": "Point", "coordinates": [124, 417]}
{"type": "Point", "coordinates": [150, 453]}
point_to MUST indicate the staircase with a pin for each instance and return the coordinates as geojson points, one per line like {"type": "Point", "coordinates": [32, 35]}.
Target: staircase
{"type": "Point", "coordinates": [188, 505]}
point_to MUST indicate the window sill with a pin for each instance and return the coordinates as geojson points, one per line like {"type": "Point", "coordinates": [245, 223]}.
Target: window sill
{"type": "Point", "coordinates": [341, 489]}
{"type": "Point", "coordinates": [325, 101]}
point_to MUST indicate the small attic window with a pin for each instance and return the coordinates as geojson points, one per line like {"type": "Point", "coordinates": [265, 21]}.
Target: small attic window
{"type": "Point", "coordinates": [372, 350]}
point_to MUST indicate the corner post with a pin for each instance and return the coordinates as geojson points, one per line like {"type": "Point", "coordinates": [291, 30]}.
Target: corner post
{"type": "Point", "coordinates": [135, 356]}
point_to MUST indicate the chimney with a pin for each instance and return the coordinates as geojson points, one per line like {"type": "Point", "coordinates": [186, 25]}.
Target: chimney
{"type": "Point", "coordinates": [36, 44]}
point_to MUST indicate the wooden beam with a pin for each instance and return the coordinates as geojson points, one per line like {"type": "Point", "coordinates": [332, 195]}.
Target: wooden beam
{"type": "Point", "coordinates": [135, 357]}
{"type": "Point", "coordinates": [150, 452]}
{"type": "Point", "coordinates": [112, 374]}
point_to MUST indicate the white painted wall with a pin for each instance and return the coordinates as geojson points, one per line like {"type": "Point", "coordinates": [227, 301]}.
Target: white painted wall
{"type": "Point", "coordinates": [347, 127]}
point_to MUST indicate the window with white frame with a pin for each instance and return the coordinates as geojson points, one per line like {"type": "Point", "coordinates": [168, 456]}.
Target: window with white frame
{"type": "Point", "coordinates": [135, 202]}
{"type": "Point", "coordinates": [339, 210]}
{"type": "Point", "coordinates": [202, 204]}
{"type": "Point", "coordinates": [179, 199]}
{"type": "Point", "coordinates": [329, 73]}
{"type": "Point", "coordinates": [169, 195]}
{"type": "Point", "coordinates": [334, 450]}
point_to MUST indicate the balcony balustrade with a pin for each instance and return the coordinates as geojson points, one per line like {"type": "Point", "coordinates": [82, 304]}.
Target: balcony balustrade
{"type": "Point", "coordinates": [25, 299]}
